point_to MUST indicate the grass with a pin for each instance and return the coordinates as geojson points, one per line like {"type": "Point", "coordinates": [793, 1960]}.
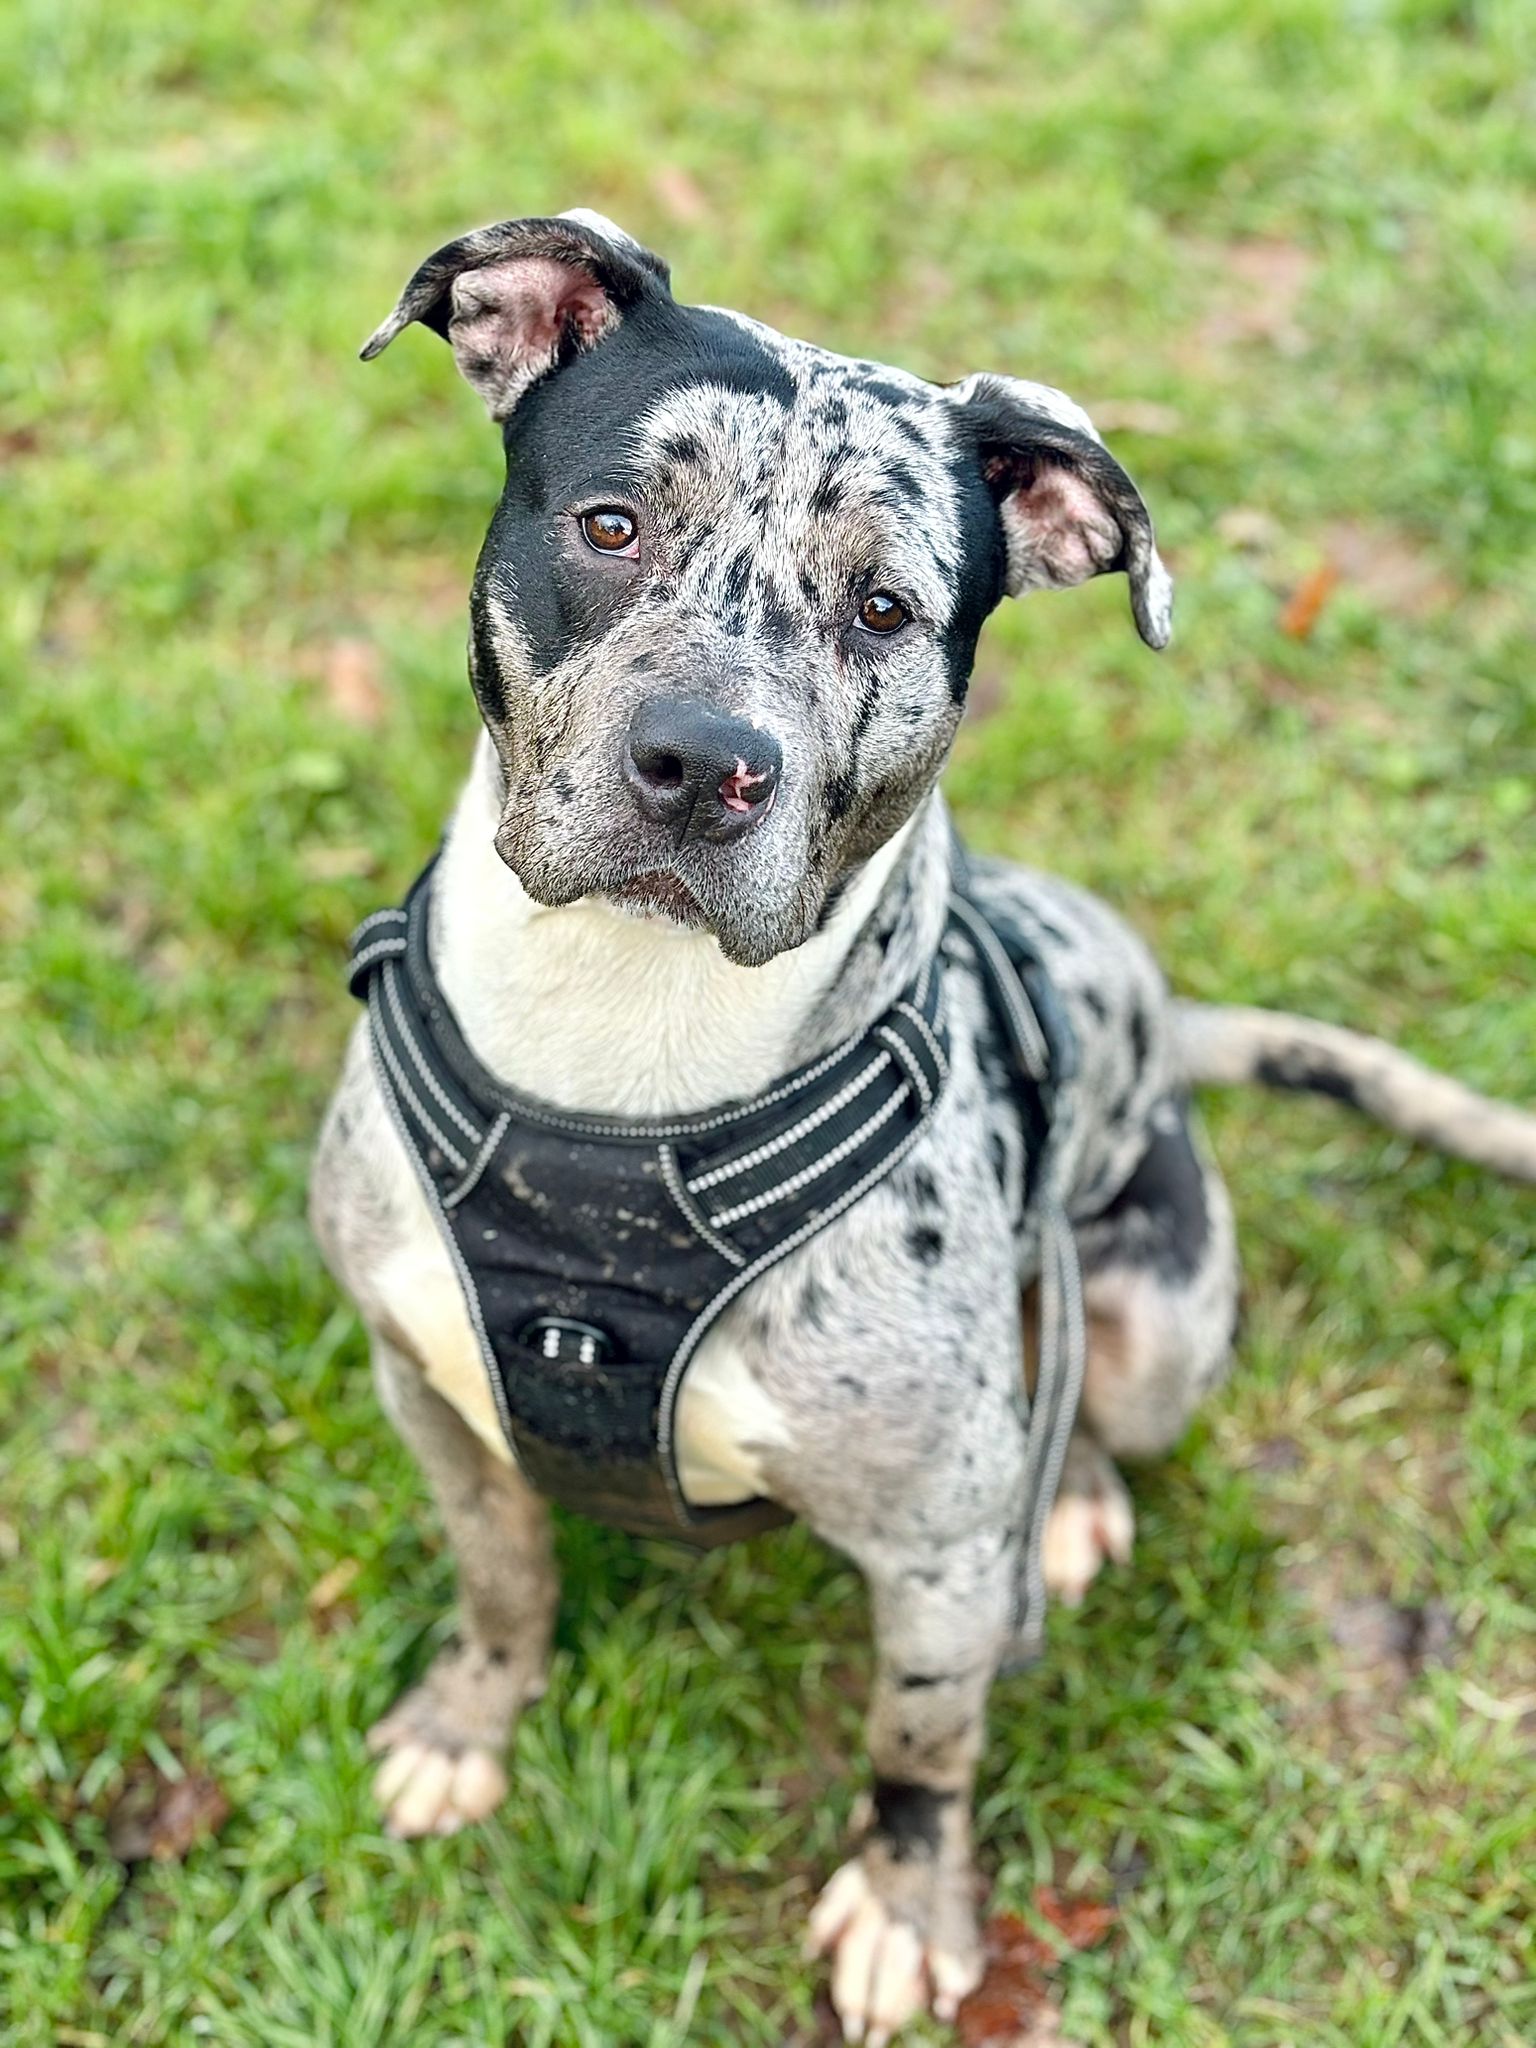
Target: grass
{"type": "Point", "coordinates": [1288, 245]}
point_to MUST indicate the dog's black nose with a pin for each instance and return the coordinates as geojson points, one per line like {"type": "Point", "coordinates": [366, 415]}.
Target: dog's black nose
{"type": "Point", "coordinates": [698, 772]}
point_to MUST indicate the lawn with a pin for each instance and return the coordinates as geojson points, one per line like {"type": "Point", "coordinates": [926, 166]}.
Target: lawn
{"type": "Point", "coordinates": [1283, 250]}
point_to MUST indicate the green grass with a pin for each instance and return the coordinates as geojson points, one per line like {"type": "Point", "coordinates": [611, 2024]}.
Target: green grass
{"type": "Point", "coordinates": [204, 211]}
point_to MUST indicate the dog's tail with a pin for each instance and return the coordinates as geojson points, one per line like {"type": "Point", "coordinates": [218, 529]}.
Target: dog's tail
{"type": "Point", "coordinates": [1221, 1046]}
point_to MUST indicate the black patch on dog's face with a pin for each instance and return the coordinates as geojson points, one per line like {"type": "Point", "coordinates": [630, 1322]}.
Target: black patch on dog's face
{"type": "Point", "coordinates": [775, 488]}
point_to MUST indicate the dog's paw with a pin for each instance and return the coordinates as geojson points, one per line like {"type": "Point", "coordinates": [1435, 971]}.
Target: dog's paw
{"type": "Point", "coordinates": [425, 1790]}
{"type": "Point", "coordinates": [1091, 1524]}
{"type": "Point", "coordinates": [442, 1743]}
{"type": "Point", "coordinates": [884, 1971]}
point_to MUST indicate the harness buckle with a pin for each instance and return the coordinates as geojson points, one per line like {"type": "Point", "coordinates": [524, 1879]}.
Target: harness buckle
{"type": "Point", "coordinates": [561, 1340]}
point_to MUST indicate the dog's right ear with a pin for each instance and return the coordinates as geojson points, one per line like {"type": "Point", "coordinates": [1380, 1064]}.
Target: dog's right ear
{"type": "Point", "coordinates": [518, 299]}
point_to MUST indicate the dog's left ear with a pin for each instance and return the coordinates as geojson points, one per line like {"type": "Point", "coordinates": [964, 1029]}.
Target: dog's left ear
{"type": "Point", "coordinates": [1068, 510]}
{"type": "Point", "coordinates": [519, 299]}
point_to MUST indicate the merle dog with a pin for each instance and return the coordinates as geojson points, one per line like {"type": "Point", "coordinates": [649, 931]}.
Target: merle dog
{"type": "Point", "coordinates": [721, 630]}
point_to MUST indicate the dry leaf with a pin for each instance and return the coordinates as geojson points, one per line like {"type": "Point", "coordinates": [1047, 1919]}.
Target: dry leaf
{"type": "Point", "coordinates": [1304, 607]}
{"type": "Point", "coordinates": [1081, 1923]}
{"type": "Point", "coordinates": [1012, 1991]}
{"type": "Point", "coordinates": [1011, 2008]}
{"type": "Point", "coordinates": [353, 686]}
{"type": "Point", "coordinates": [333, 1585]}
{"type": "Point", "coordinates": [680, 194]}
{"type": "Point", "coordinates": [162, 1819]}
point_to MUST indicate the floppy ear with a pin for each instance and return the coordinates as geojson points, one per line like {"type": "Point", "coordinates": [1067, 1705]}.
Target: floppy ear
{"type": "Point", "coordinates": [520, 298]}
{"type": "Point", "coordinates": [1068, 509]}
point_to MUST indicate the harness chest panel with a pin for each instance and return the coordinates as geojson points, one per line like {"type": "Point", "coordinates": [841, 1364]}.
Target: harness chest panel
{"type": "Point", "coordinates": [595, 1252]}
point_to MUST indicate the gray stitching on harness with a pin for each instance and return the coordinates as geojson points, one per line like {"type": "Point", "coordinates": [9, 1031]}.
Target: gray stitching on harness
{"type": "Point", "coordinates": [396, 1009]}
{"type": "Point", "coordinates": [817, 1167]}
{"type": "Point", "coordinates": [785, 1139]}
{"type": "Point", "coordinates": [449, 1150]}
{"type": "Point", "coordinates": [594, 1128]}
{"type": "Point", "coordinates": [690, 1211]}
{"type": "Point", "coordinates": [477, 1165]}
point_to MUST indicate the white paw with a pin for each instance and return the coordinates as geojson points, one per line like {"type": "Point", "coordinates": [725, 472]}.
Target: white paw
{"type": "Point", "coordinates": [428, 1791]}
{"type": "Point", "coordinates": [882, 1972]}
{"type": "Point", "coordinates": [1084, 1532]}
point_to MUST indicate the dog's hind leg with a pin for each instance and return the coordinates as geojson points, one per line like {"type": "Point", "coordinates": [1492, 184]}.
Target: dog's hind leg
{"type": "Point", "coordinates": [444, 1741]}
{"type": "Point", "coordinates": [1160, 1286]}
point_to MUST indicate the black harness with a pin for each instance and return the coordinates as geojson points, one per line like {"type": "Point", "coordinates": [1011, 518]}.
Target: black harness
{"type": "Point", "coordinates": [595, 1252]}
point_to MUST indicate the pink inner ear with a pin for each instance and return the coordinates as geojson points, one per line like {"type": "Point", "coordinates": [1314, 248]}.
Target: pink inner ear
{"type": "Point", "coordinates": [1059, 523]}
{"type": "Point", "coordinates": [508, 320]}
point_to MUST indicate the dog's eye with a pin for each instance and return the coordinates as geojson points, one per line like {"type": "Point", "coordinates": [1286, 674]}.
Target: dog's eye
{"type": "Point", "coordinates": [882, 613]}
{"type": "Point", "coordinates": [610, 531]}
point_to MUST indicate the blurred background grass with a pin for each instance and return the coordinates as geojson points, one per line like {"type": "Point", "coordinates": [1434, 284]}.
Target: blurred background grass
{"type": "Point", "coordinates": [1283, 250]}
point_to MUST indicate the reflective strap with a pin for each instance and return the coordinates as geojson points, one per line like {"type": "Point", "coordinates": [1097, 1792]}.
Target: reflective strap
{"type": "Point", "coordinates": [1062, 1327]}
{"type": "Point", "coordinates": [1058, 1389]}
{"type": "Point", "coordinates": [1029, 1040]}
{"type": "Point", "coordinates": [368, 949]}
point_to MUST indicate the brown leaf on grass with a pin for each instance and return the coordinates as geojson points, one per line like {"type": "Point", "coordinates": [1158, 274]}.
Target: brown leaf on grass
{"type": "Point", "coordinates": [350, 676]}
{"type": "Point", "coordinates": [1304, 607]}
{"type": "Point", "coordinates": [161, 1819]}
{"type": "Point", "coordinates": [1011, 1995]}
{"type": "Point", "coordinates": [680, 195]}
{"type": "Point", "coordinates": [1081, 1923]}
{"type": "Point", "coordinates": [1011, 2008]}
{"type": "Point", "coordinates": [333, 1585]}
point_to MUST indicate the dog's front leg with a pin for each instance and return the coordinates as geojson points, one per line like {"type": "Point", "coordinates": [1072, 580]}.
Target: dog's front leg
{"type": "Point", "coordinates": [900, 1918]}
{"type": "Point", "coordinates": [443, 1743]}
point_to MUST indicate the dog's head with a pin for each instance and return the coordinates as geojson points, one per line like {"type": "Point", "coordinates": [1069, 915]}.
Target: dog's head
{"type": "Point", "coordinates": [725, 615]}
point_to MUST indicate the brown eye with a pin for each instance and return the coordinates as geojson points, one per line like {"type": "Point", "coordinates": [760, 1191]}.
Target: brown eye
{"type": "Point", "coordinates": [609, 530]}
{"type": "Point", "coordinates": [882, 613]}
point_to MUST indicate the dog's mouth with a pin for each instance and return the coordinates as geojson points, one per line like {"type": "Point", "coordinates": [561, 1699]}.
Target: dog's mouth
{"type": "Point", "coordinates": [658, 894]}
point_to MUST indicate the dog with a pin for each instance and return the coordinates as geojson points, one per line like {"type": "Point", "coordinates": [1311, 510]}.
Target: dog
{"type": "Point", "coordinates": [720, 635]}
